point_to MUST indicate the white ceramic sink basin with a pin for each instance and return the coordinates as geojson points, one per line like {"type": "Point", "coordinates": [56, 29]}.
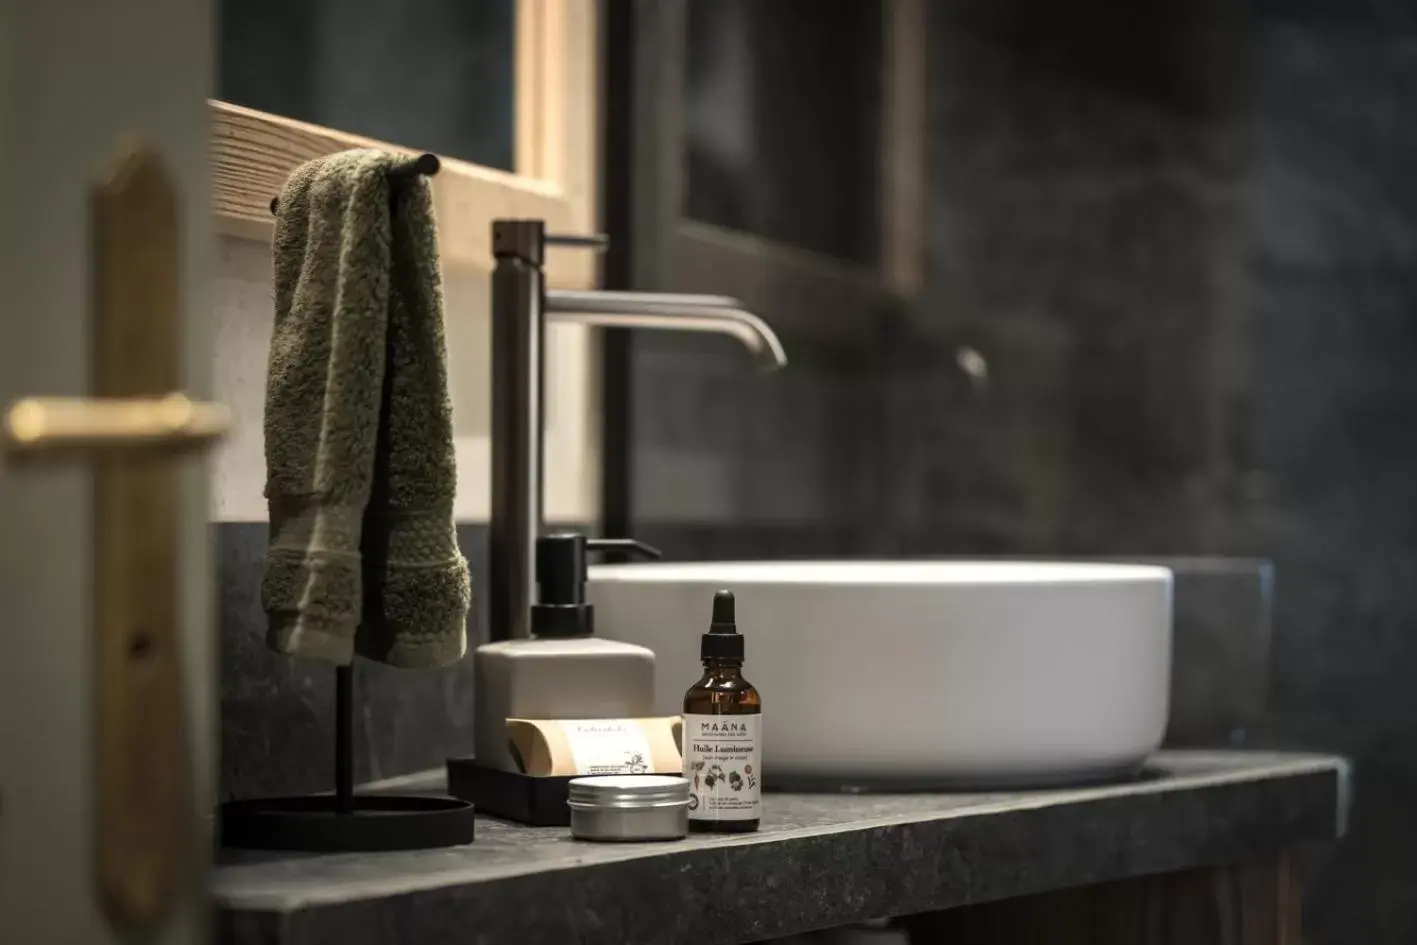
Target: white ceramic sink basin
{"type": "Point", "coordinates": [941, 672]}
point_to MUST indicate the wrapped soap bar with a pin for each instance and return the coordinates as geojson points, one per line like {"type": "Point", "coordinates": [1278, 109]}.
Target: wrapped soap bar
{"type": "Point", "coordinates": [582, 747]}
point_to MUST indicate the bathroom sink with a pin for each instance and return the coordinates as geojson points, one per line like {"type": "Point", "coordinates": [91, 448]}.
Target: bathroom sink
{"type": "Point", "coordinates": [943, 673]}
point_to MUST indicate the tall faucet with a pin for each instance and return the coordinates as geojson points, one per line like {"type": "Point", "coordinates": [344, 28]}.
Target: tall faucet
{"type": "Point", "coordinates": [521, 306]}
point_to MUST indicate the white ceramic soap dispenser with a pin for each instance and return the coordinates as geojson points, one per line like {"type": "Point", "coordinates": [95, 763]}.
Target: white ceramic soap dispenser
{"type": "Point", "coordinates": [564, 671]}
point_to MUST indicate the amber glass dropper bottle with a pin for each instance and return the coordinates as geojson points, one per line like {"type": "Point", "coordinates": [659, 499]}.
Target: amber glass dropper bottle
{"type": "Point", "coordinates": [723, 746]}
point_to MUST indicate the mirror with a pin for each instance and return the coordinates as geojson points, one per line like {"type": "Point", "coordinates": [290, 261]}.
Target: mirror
{"type": "Point", "coordinates": [783, 119]}
{"type": "Point", "coordinates": [435, 75]}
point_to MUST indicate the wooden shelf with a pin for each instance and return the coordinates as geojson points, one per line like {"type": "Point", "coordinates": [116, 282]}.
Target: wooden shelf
{"type": "Point", "coordinates": [253, 152]}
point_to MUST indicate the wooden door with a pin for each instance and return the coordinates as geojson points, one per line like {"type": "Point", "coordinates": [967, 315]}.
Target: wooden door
{"type": "Point", "coordinates": [106, 697]}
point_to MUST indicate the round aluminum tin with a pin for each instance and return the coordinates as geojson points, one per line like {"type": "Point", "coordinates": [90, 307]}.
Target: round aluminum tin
{"type": "Point", "coordinates": [629, 807]}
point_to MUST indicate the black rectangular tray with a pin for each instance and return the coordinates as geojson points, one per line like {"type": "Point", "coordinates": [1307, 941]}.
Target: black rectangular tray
{"type": "Point", "coordinates": [540, 802]}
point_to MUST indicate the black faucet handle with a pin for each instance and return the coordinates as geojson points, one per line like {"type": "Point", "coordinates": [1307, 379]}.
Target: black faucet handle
{"type": "Point", "coordinates": [629, 546]}
{"type": "Point", "coordinates": [598, 242]}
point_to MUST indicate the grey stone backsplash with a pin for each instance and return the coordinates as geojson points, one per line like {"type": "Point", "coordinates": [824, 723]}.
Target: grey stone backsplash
{"type": "Point", "coordinates": [1222, 618]}
{"type": "Point", "coordinates": [1220, 661]}
{"type": "Point", "coordinates": [277, 712]}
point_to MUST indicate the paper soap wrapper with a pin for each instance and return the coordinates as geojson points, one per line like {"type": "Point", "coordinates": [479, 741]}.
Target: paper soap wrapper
{"type": "Point", "coordinates": [551, 748]}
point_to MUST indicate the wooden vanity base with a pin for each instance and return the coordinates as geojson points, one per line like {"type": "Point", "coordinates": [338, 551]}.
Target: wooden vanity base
{"type": "Point", "coordinates": [1253, 903]}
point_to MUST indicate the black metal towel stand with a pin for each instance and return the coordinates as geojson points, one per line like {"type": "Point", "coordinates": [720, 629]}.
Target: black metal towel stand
{"type": "Point", "coordinates": [344, 738]}
{"type": "Point", "coordinates": [345, 821]}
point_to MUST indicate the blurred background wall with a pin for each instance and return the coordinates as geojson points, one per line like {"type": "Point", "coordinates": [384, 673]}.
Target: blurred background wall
{"type": "Point", "coordinates": [1170, 308]}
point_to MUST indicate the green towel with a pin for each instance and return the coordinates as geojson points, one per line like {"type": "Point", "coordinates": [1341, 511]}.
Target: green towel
{"type": "Point", "coordinates": [360, 474]}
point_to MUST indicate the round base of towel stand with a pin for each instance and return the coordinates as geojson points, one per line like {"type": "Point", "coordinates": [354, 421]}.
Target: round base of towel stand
{"type": "Point", "coordinates": [376, 822]}
{"type": "Point", "coordinates": [345, 822]}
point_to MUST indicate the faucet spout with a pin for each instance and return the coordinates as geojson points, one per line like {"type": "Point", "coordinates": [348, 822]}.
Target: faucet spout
{"type": "Point", "coordinates": [521, 307]}
{"type": "Point", "coordinates": [670, 311]}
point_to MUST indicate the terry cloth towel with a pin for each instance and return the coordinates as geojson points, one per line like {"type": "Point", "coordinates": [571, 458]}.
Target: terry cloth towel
{"type": "Point", "coordinates": [360, 474]}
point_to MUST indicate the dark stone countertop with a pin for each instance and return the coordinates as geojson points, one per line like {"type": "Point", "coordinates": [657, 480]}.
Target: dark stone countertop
{"type": "Point", "coordinates": [819, 861]}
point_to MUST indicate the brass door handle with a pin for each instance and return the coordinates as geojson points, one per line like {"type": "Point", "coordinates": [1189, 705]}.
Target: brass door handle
{"type": "Point", "coordinates": [67, 425]}
{"type": "Point", "coordinates": [133, 430]}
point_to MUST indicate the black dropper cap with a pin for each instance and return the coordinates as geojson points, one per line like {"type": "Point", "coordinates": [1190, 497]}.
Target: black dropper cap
{"type": "Point", "coordinates": [560, 579]}
{"type": "Point", "coordinates": [723, 641]}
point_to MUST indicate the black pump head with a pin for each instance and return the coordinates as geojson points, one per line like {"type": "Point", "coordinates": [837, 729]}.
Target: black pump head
{"type": "Point", "coordinates": [723, 641]}
{"type": "Point", "coordinates": [560, 579]}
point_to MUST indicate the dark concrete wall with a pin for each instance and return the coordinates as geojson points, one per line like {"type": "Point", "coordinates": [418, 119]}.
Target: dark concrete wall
{"type": "Point", "coordinates": [1181, 241]}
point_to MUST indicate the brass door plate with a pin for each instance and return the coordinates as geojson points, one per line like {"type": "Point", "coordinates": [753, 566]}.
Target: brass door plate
{"type": "Point", "coordinates": [142, 793]}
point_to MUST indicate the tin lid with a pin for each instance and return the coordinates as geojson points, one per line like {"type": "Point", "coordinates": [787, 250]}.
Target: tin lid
{"type": "Point", "coordinates": [628, 791]}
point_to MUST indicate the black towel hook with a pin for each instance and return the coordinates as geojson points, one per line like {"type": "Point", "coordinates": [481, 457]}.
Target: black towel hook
{"type": "Point", "coordinates": [425, 165]}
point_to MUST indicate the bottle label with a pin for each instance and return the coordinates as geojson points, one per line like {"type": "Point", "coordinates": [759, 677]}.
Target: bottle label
{"type": "Point", "coordinates": [723, 757]}
{"type": "Point", "coordinates": [607, 746]}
